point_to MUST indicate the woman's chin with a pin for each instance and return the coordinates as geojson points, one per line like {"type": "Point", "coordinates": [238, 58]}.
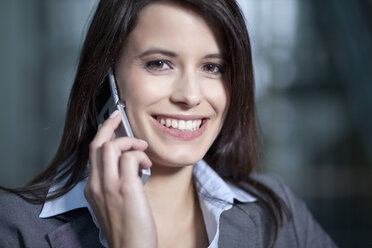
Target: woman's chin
{"type": "Point", "coordinates": [175, 155]}
{"type": "Point", "coordinates": [174, 161]}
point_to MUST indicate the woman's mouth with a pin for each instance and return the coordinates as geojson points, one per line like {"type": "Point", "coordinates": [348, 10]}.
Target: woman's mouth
{"type": "Point", "coordinates": [182, 125]}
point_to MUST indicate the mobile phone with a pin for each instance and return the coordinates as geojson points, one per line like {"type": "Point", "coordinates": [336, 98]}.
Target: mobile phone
{"type": "Point", "coordinates": [107, 101]}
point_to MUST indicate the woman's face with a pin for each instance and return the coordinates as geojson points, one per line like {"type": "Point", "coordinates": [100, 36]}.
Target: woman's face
{"type": "Point", "coordinates": [170, 77]}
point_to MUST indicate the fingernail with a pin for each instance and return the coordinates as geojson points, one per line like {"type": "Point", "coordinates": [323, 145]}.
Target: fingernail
{"type": "Point", "coordinates": [143, 141]}
{"type": "Point", "coordinates": [114, 114]}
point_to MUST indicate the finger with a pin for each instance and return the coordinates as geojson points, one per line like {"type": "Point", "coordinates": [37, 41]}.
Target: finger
{"type": "Point", "coordinates": [111, 152]}
{"type": "Point", "coordinates": [109, 173]}
{"type": "Point", "coordinates": [129, 164]}
{"type": "Point", "coordinates": [104, 133]}
{"type": "Point", "coordinates": [124, 144]}
{"type": "Point", "coordinates": [108, 128]}
{"type": "Point", "coordinates": [95, 158]}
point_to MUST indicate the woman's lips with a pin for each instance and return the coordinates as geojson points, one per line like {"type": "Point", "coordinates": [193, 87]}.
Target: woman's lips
{"type": "Point", "coordinates": [183, 127]}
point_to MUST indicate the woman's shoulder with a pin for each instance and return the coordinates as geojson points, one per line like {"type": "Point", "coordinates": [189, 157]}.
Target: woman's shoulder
{"type": "Point", "coordinates": [275, 184]}
{"type": "Point", "coordinates": [262, 186]}
{"type": "Point", "coordinates": [298, 227]}
{"type": "Point", "coordinates": [14, 208]}
{"type": "Point", "coordinates": [21, 226]}
{"type": "Point", "coordinates": [20, 222]}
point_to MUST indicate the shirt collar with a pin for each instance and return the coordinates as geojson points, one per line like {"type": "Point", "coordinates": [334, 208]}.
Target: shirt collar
{"type": "Point", "coordinates": [215, 196]}
{"type": "Point", "coordinates": [73, 199]}
{"type": "Point", "coordinates": [209, 183]}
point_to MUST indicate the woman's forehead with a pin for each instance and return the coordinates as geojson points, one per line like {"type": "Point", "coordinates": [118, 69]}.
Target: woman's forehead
{"type": "Point", "coordinates": [174, 27]}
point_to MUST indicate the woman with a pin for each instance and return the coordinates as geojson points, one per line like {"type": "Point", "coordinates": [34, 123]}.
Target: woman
{"type": "Point", "coordinates": [184, 71]}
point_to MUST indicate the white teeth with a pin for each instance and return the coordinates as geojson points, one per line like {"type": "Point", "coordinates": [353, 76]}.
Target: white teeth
{"type": "Point", "coordinates": [183, 125]}
{"type": "Point", "coordinates": [189, 124]}
{"type": "Point", "coordinates": [174, 123]}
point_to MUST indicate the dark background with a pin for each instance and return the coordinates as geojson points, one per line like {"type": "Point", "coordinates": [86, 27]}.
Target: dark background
{"type": "Point", "coordinates": [314, 97]}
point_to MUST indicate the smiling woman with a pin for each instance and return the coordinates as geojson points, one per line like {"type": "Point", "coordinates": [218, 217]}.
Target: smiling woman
{"type": "Point", "coordinates": [183, 70]}
{"type": "Point", "coordinates": [160, 77]}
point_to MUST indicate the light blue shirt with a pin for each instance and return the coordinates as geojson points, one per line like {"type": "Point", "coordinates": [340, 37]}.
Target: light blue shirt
{"type": "Point", "coordinates": [209, 185]}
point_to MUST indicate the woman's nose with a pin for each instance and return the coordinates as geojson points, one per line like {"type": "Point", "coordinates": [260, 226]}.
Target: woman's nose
{"type": "Point", "coordinates": [187, 91]}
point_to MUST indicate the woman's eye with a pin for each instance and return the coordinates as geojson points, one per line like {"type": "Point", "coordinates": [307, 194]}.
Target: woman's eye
{"type": "Point", "coordinates": [157, 65]}
{"type": "Point", "coordinates": [213, 69]}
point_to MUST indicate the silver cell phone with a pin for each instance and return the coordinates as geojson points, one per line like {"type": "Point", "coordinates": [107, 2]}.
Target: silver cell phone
{"type": "Point", "coordinates": [108, 101]}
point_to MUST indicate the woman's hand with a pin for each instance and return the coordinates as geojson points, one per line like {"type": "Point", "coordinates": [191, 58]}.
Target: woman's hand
{"type": "Point", "coordinates": [115, 191]}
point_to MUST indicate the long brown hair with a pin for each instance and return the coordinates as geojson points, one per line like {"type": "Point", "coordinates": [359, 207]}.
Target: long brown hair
{"type": "Point", "coordinates": [233, 154]}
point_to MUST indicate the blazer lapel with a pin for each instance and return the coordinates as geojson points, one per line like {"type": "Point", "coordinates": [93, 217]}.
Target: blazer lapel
{"type": "Point", "coordinates": [78, 232]}
{"type": "Point", "coordinates": [239, 227]}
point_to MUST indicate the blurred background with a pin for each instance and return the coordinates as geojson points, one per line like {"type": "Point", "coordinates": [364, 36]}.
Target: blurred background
{"type": "Point", "coordinates": [314, 97]}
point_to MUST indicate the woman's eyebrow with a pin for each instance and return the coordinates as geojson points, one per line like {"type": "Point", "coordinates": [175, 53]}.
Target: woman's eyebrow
{"type": "Point", "coordinates": [174, 55]}
{"type": "Point", "coordinates": [214, 56]}
{"type": "Point", "coordinates": [157, 51]}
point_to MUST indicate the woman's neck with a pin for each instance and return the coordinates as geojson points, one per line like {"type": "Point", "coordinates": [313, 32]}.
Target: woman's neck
{"type": "Point", "coordinates": [170, 191]}
{"type": "Point", "coordinates": [175, 207]}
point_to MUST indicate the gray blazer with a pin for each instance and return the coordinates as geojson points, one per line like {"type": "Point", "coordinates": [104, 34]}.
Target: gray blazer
{"type": "Point", "coordinates": [244, 225]}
